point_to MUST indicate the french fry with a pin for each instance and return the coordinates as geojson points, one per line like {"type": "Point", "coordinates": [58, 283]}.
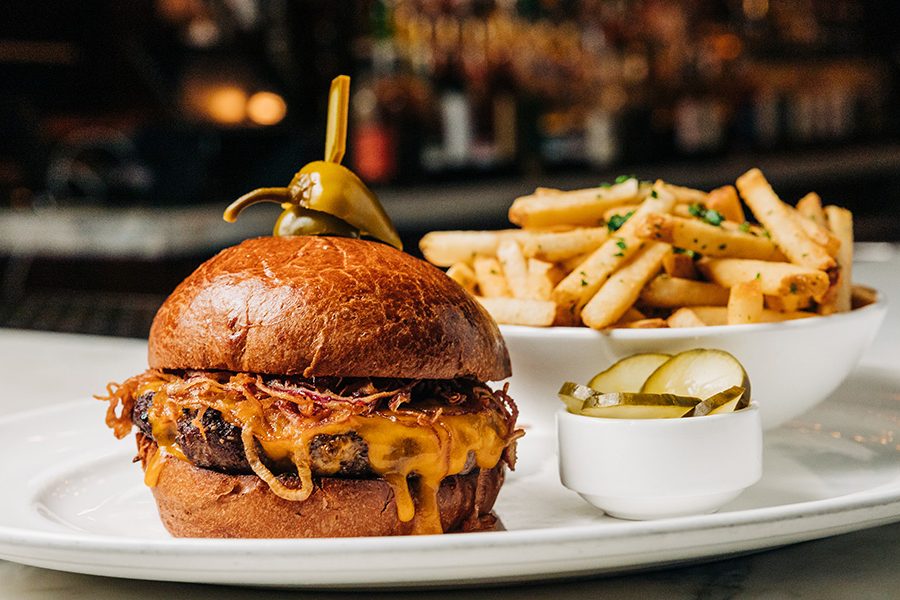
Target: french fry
{"type": "Point", "coordinates": [568, 265]}
{"type": "Point", "coordinates": [683, 211]}
{"type": "Point", "coordinates": [711, 315]}
{"type": "Point", "coordinates": [681, 265]}
{"type": "Point", "coordinates": [542, 277]}
{"type": "Point", "coordinates": [776, 278]}
{"type": "Point", "coordinates": [444, 248]}
{"type": "Point", "coordinates": [519, 311]}
{"type": "Point", "coordinates": [621, 290]}
{"type": "Point", "coordinates": [810, 207]}
{"type": "Point", "coordinates": [684, 195]}
{"type": "Point", "coordinates": [574, 291]}
{"type": "Point", "coordinates": [578, 207]}
{"type": "Point", "coordinates": [718, 315]}
{"type": "Point", "coordinates": [840, 221]}
{"type": "Point", "coordinates": [789, 303]}
{"type": "Point", "coordinates": [746, 227]}
{"type": "Point", "coordinates": [515, 269]}
{"type": "Point", "coordinates": [672, 292]}
{"type": "Point", "coordinates": [554, 246]}
{"type": "Point", "coordinates": [708, 240]}
{"type": "Point", "coordinates": [654, 323]}
{"type": "Point", "coordinates": [618, 211]}
{"type": "Point", "coordinates": [725, 201]}
{"type": "Point", "coordinates": [826, 304]}
{"type": "Point", "coordinates": [491, 282]}
{"type": "Point", "coordinates": [463, 274]}
{"type": "Point", "coordinates": [775, 215]}
{"type": "Point", "coordinates": [745, 303]}
{"type": "Point", "coordinates": [685, 317]}
{"type": "Point", "coordinates": [817, 233]}
{"type": "Point", "coordinates": [546, 191]}
{"type": "Point", "coordinates": [632, 314]}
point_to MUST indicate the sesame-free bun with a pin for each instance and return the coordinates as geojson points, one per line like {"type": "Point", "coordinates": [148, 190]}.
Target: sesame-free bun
{"type": "Point", "coordinates": [325, 306]}
{"type": "Point", "coordinates": [196, 502]}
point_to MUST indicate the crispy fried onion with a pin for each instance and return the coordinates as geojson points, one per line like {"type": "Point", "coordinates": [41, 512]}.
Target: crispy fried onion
{"type": "Point", "coordinates": [121, 397]}
{"type": "Point", "coordinates": [510, 409]}
{"type": "Point", "coordinates": [262, 407]}
{"type": "Point", "coordinates": [263, 472]}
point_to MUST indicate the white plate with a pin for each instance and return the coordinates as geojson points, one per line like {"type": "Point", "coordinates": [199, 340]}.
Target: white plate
{"type": "Point", "coordinates": [74, 502]}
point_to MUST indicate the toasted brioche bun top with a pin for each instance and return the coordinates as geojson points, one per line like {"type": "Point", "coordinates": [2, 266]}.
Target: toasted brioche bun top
{"type": "Point", "coordinates": [325, 306]}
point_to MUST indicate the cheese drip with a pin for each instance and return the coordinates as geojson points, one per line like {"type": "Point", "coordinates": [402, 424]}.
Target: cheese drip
{"type": "Point", "coordinates": [153, 466]}
{"type": "Point", "coordinates": [156, 459]}
{"type": "Point", "coordinates": [401, 444]}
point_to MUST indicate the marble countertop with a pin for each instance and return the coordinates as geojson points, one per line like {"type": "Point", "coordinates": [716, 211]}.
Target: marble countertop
{"type": "Point", "coordinates": [862, 564]}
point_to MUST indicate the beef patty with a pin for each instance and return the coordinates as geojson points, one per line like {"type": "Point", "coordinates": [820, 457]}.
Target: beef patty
{"type": "Point", "coordinates": [219, 446]}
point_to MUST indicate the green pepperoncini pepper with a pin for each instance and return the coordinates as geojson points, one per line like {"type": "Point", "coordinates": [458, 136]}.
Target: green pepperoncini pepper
{"type": "Point", "coordinates": [325, 198]}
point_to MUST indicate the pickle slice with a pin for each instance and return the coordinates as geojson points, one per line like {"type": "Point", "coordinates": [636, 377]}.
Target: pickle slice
{"type": "Point", "coordinates": [628, 374]}
{"type": "Point", "coordinates": [582, 400]}
{"type": "Point", "coordinates": [725, 401]}
{"type": "Point", "coordinates": [574, 395]}
{"type": "Point", "coordinates": [628, 405]}
{"type": "Point", "coordinates": [702, 373]}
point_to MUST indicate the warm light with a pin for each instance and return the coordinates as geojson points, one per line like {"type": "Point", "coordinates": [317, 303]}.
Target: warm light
{"type": "Point", "coordinates": [266, 108]}
{"type": "Point", "coordinates": [227, 105]}
{"type": "Point", "coordinates": [728, 46]}
{"type": "Point", "coordinates": [756, 9]}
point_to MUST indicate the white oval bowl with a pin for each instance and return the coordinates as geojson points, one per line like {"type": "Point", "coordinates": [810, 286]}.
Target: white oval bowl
{"type": "Point", "coordinates": [660, 468]}
{"type": "Point", "coordinates": [792, 365]}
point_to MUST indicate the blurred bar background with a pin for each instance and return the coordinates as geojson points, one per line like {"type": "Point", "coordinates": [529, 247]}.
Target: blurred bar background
{"type": "Point", "coordinates": [126, 127]}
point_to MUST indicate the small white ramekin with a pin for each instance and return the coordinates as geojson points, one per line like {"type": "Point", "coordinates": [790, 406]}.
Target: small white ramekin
{"type": "Point", "coordinates": [644, 469]}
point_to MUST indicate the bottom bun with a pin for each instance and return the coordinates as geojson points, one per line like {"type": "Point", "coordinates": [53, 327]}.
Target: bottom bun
{"type": "Point", "coordinates": [196, 502]}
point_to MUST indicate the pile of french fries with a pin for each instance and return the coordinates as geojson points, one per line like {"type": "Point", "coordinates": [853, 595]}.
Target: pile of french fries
{"type": "Point", "coordinates": [640, 254]}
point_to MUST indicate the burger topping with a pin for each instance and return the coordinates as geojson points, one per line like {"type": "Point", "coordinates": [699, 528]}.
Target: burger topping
{"type": "Point", "coordinates": [427, 430]}
{"type": "Point", "coordinates": [324, 197]}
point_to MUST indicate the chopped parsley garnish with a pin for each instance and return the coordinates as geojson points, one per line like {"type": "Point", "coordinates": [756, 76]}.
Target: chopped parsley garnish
{"type": "Point", "coordinates": [654, 194]}
{"type": "Point", "coordinates": [616, 221]}
{"type": "Point", "coordinates": [621, 244]}
{"type": "Point", "coordinates": [624, 178]}
{"type": "Point", "coordinates": [690, 253]}
{"type": "Point", "coordinates": [745, 227]}
{"type": "Point", "coordinates": [713, 217]}
{"type": "Point", "coordinates": [793, 288]}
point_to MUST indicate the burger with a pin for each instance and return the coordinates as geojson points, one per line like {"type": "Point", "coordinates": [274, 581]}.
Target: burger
{"type": "Point", "coordinates": [306, 386]}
